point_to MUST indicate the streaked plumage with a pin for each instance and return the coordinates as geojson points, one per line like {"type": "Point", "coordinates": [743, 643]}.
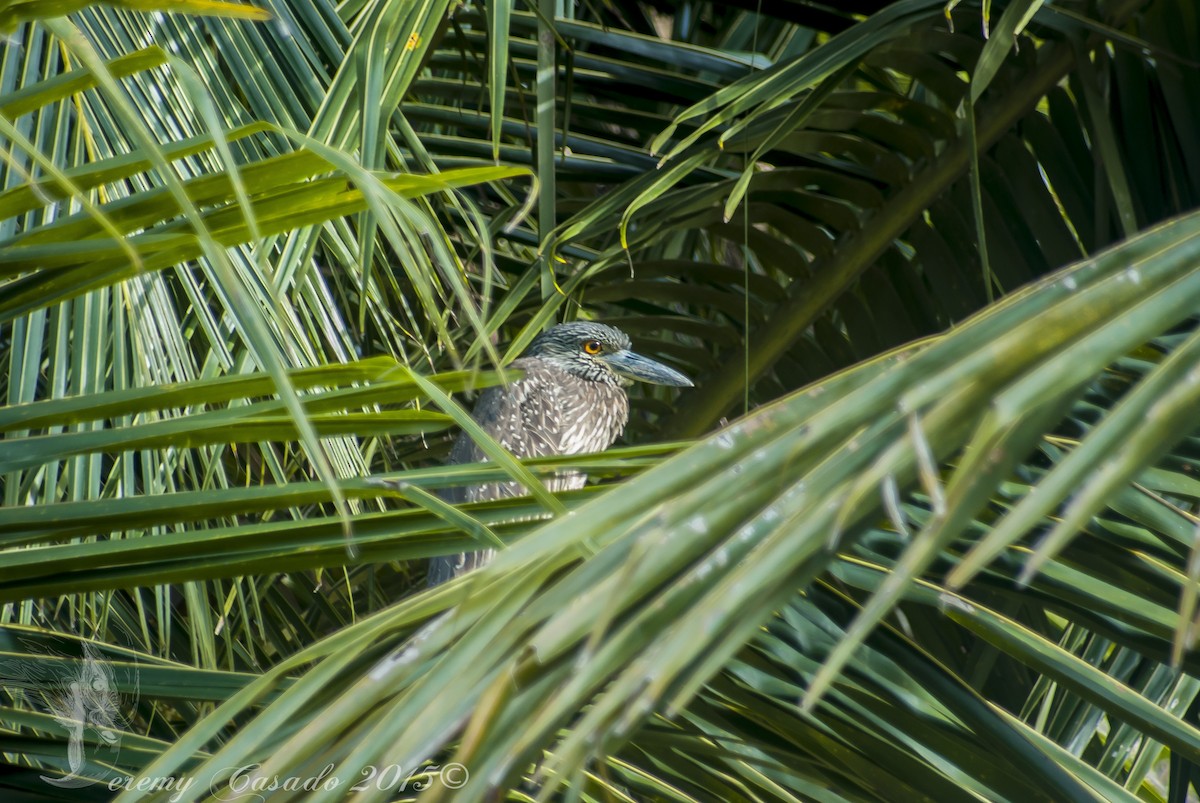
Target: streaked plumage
{"type": "Point", "coordinates": [571, 400]}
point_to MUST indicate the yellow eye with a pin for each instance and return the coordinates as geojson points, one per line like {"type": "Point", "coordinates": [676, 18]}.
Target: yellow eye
{"type": "Point", "coordinates": [592, 347]}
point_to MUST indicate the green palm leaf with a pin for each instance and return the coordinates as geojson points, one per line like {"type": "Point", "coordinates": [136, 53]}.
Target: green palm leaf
{"type": "Point", "coordinates": [936, 264]}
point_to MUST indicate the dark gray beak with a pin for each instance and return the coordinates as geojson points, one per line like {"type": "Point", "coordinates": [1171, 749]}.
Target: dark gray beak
{"type": "Point", "coordinates": [644, 369]}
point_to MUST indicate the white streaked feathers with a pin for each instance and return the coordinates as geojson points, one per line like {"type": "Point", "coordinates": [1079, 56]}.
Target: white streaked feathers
{"type": "Point", "coordinates": [548, 411]}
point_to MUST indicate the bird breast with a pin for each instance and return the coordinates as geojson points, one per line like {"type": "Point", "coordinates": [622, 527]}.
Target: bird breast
{"type": "Point", "coordinates": [590, 415]}
{"type": "Point", "coordinates": [548, 411]}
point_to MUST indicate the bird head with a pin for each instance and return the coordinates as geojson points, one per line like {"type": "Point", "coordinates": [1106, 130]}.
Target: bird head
{"type": "Point", "coordinates": [600, 353]}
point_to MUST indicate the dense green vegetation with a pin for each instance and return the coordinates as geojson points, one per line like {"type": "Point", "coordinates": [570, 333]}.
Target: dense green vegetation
{"type": "Point", "coordinates": [925, 528]}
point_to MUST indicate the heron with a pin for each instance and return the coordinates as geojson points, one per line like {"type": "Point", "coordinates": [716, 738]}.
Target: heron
{"type": "Point", "coordinates": [571, 399]}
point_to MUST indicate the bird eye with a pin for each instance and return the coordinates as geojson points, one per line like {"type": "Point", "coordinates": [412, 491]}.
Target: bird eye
{"type": "Point", "coordinates": [592, 347]}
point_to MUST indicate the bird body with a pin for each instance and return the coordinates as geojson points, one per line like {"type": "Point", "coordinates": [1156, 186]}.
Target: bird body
{"type": "Point", "coordinates": [570, 400]}
{"type": "Point", "coordinates": [546, 412]}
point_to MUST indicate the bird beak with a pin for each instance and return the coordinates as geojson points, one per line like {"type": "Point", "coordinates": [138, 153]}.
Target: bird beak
{"type": "Point", "coordinates": [643, 369]}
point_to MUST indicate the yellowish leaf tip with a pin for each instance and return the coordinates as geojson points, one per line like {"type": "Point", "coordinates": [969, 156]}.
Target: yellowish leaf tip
{"type": "Point", "coordinates": [207, 8]}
